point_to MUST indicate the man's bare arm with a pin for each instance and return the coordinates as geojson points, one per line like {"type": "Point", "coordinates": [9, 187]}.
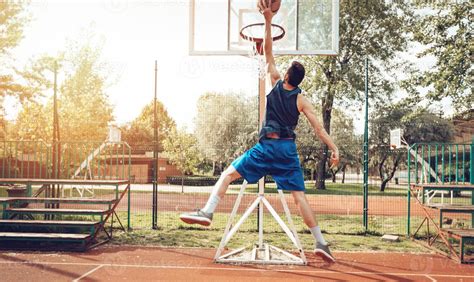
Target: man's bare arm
{"type": "Point", "coordinates": [272, 71]}
{"type": "Point", "coordinates": [305, 106]}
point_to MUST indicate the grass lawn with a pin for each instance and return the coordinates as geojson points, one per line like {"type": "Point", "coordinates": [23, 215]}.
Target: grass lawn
{"type": "Point", "coordinates": [345, 233]}
{"type": "Point", "coordinates": [348, 189]}
{"type": "Point", "coordinates": [331, 189]}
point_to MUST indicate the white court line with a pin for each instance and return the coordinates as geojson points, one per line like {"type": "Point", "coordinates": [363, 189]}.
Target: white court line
{"type": "Point", "coordinates": [431, 278]}
{"type": "Point", "coordinates": [237, 269]}
{"type": "Point", "coordinates": [88, 273]}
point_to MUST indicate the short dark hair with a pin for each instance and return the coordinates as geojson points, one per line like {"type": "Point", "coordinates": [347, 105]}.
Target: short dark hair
{"type": "Point", "coordinates": [295, 73]}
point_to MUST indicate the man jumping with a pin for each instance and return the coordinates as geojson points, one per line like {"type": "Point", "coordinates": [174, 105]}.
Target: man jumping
{"type": "Point", "coordinates": [275, 153]}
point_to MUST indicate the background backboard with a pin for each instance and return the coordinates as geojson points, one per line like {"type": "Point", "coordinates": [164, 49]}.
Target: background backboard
{"type": "Point", "coordinates": [396, 138]}
{"type": "Point", "coordinates": [312, 27]}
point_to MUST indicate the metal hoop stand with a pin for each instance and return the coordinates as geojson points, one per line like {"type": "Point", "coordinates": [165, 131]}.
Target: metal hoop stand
{"type": "Point", "coordinates": [261, 252]}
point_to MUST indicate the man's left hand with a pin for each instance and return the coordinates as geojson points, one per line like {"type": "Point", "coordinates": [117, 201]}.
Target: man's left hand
{"type": "Point", "coordinates": [265, 8]}
{"type": "Point", "coordinates": [334, 159]}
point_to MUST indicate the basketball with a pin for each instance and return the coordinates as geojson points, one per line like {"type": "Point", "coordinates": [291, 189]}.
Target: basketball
{"type": "Point", "coordinates": [275, 5]}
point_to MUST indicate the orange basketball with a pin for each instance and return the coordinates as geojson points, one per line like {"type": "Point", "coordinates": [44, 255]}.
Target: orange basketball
{"type": "Point", "coordinates": [275, 4]}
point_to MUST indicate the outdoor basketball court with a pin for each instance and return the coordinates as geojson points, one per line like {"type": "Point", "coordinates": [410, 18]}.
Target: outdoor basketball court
{"type": "Point", "coordinates": [220, 28]}
{"type": "Point", "coordinates": [114, 263]}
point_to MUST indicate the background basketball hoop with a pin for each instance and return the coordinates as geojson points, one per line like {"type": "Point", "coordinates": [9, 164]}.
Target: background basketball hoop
{"type": "Point", "coordinates": [396, 137]}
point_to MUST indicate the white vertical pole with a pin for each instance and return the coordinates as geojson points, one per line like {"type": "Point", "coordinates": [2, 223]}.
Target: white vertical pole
{"type": "Point", "coordinates": [261, 182]}
{"type": "Point", "coordinates": [261, 185]}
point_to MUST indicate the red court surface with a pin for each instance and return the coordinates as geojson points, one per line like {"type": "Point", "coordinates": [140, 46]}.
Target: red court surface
{"type": "Point", "coordinates": [115, 263]}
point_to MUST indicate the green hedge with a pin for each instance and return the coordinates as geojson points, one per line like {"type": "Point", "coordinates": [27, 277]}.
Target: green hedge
{"type": "Point", "coordinates": [202, 180]}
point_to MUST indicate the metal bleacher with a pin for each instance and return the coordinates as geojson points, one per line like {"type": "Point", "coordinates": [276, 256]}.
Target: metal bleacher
{"type": "Point", "coordinates": [26, 224]}
{"type": "Point", "coordinates": [453, 168]}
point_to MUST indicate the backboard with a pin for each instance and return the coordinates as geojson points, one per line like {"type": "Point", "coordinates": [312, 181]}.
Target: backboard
{"type": "Point", "coordinates": [312, 27]}
{"type": "Point", "coordinates": [395, 138]}
{"type": "Point", "coordinates": [115, 135]}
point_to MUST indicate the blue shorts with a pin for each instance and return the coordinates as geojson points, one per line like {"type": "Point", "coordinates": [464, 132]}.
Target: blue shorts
{"type": "Point", "coordinates": [275, 157]}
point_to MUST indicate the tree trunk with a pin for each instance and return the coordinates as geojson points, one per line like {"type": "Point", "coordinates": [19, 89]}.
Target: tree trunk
{"type": "Point", "coordinates": [343, 174]}
{"type": "Point", "coordinates": [391, 174]}
{"type": "Point", "coordinates": [333, 175]}
{"type": "Point", "coordinates": [384, 184]}
{"type": "Point", "coordinates": [327, 103]}
{"type": "Point", "coordinates": [380, 166]}
{"type": "Point", "coordinates": [321, 170]}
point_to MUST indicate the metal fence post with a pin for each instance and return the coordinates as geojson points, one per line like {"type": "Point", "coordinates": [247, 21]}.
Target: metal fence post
{"type": "Point", "coordinates": [471, 175]}
{"type": "Point", "coordinates": [408, 191]}
{"type": "Point", "coordinates": [366, 148]}
{"type": "Point", "coordinates": [471, 168]}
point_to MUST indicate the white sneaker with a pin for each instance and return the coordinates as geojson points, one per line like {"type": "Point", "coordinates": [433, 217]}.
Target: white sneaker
{"type": "Point", "coordinates": [324, 252]}
{"type": "Point", "coordinates": [197, 217]}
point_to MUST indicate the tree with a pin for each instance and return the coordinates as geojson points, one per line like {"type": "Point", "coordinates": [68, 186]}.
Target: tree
{"type": "Point", "coordinates": [35, 120]}
{"type": "Point", "coordinates": [140, 131]}
{"type": "Point", "coordinates": [349, 144]}
{"type": "Point", "coordinates": [84, 102]}
{"type": "Point", "coordinates": [309, 146]}
{"type": "Point", "coordinates": [417, 124]}
{"type": "Point", "coordinates": [32, 123]}
{"type": "Point", "coordinates": [446, 32]}
{"type": "Point", "coordinates": [372, 29]}
{"type": "Point", "coordinates": [84, 110]}
{"type": "Point", "coordinates": [226, 126]}
{"type": "Point", "coordinates": [12, 23]}
{"type": "Point", "coordinates": [182, 149]}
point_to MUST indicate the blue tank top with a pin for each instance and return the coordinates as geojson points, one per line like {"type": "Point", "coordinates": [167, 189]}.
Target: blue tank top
{"type": "Point", "coordinates": [281, 115]}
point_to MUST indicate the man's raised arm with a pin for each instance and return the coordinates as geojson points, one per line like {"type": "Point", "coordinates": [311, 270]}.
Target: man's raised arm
{"type": "Point", "coordinates": [272, 71]}
{"type": "Point", "coordinates": [305, 107]}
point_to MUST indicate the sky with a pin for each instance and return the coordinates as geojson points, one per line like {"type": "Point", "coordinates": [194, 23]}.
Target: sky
{"type": "Point", "coordinates": [136, 34]}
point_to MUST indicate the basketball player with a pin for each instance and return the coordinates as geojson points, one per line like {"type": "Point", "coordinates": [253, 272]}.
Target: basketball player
{"type": "Point", "coordinates": [275, 153]}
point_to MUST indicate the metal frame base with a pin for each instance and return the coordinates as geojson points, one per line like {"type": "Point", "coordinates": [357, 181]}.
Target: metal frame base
{"type": "Point", "coordinates": [269, 255]}
{"type": "Point", "coordinates": [261, 253]}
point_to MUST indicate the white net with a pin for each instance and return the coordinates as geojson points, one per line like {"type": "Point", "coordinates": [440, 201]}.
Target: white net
{"type": "Point", "coordinates": [260, 59]}
{"type": "Point", "coordinates": [258, 32]}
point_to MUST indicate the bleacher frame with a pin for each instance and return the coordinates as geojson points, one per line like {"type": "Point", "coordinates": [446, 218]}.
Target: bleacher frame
{"type": "Point", "coordinates": [10, 210]}
{"type": "Point", "coordinates": [462, 235]}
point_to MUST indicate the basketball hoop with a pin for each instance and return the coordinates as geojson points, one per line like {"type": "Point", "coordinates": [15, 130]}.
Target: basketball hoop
{"type": "Point", "coordinates": [256, 33]}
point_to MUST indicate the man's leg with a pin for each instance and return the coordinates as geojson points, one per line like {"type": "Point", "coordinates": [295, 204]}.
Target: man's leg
{"type": "Point", "coordinates": [309, 219]}
{"type": "Point", "coordinates": [204, 215]}
{"type": "Point", "coordinates": [229, 175]}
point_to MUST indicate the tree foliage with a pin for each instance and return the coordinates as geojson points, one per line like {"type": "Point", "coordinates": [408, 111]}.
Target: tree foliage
{"type": "Point", "coordinates": [84, 110]}
{"type": "Point", "coordinates": [370, 29]}
{"type": "Point", "coordinates": [419, 125]}
{"type": "Point", "coordinates": [182, 149]}
{"type": "Point", "coordinates": [84, 107]}
{"type": "Point", "coordinates": [225, 126]}
{"type": "Point", "coordinates": [12, 22]}
{"type": "Point", "coordinates": [140, 132]}
{"type": "Point", "coordinates": [446, 33]}
{"type": "Point", "coordinates": [309, 146]}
